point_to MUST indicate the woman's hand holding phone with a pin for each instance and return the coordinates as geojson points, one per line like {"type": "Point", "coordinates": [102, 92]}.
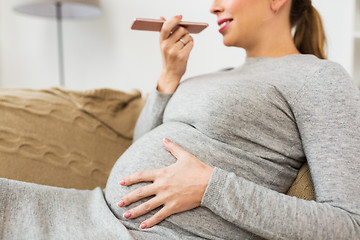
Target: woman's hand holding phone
{"type": "Point", "coordinates": [175, 50]}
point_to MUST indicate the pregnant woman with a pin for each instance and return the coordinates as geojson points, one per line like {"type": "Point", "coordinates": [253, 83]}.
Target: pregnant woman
{"type": "Point", "coordinates": [237, 141]}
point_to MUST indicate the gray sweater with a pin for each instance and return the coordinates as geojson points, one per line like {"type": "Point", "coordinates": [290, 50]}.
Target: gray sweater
{"type": "Point", "coordinates": [256, 124]}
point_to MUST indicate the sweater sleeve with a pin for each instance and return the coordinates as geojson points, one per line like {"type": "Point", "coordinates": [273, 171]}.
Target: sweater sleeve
{"type": "Point", "coordinates": [327, 112]}
{"type": "Point", "coordinates": [152, 114]}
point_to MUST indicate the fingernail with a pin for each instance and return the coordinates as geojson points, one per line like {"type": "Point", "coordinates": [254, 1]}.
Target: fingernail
{"type": "Point", "coordinates": [122, 182]}
{"type": "Point", "coordinates": [143, 225]}
{"type": "Point", "coordinates": [127, 215]}
{"type": "Point", "coordinates": [179, 16]}
{"type": "Point", "coordinates": [121, 203]}
{"type": "Point", "coordinates": [166, 140]}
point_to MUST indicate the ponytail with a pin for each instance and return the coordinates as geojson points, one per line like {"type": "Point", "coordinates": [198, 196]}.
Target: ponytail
{"type": "Point", "coordinates": [309, 34]}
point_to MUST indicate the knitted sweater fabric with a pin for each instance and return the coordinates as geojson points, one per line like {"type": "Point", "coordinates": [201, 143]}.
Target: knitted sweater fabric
{"type": "Point", "coordinates": [256, 125]}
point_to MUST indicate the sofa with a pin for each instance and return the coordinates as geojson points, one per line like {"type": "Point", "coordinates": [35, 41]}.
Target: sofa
{"type": "Point", "coordinates": [71, 139]}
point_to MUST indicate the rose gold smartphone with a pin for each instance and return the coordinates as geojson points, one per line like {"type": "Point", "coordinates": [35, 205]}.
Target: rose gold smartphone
{"type": "Point", "coordinates": [148, 24]}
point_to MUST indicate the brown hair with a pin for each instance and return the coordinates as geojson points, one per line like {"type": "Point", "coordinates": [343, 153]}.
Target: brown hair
{"type": "Point", "coordinates": [309, 34]}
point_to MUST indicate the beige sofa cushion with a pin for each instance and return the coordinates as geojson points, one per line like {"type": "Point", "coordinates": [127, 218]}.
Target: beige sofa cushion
{"type": "Point", "coordinates": [303, 186]}
{"type": "Point", "coordinates": [65, 138]}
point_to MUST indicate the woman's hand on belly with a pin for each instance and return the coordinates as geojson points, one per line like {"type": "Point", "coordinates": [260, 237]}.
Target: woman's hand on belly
{"type": "Point", "coordinates": [178, 187]}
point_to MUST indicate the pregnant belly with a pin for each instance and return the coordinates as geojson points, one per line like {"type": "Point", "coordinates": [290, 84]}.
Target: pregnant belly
{"type": "Point", "coordinates": [148, 152]}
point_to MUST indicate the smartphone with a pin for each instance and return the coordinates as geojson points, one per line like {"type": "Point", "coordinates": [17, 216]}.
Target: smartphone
{"type": "Point", "coordinates": [148, 24]}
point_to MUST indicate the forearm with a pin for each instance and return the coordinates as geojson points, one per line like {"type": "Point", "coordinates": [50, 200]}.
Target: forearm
{"type": "Point", "coordinates": [273, 215]}
{"type": "Point", "coordinates": [152, 113]}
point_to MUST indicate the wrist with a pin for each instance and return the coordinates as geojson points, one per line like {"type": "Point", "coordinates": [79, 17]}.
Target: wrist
{"type": "Point", "coordinates": [205, 179]}
{"type": "Point", "coordinates": [167, 83]}
{"type": "Point", "coordinates": [208, 172]}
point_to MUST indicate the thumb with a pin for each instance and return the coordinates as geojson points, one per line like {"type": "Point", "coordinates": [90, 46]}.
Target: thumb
{"type": "Point", "coordinates": [173, 148]}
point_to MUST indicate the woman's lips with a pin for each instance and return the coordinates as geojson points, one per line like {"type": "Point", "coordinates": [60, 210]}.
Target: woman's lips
{"type": "Point", "coordinates": [225, 26]}
{"type": "Point", "coordinates": [224, 23]}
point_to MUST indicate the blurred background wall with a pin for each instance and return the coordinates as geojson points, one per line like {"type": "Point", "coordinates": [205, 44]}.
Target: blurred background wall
{"type": "Point", "coordinates": [104, 52]}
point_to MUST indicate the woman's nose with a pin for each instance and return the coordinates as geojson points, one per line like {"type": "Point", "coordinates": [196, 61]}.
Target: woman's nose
{"type": "Point", "coordinates": [216, 7]}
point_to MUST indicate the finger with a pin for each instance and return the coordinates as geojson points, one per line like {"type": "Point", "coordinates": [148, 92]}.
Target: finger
{"type": "Point", "coordinates": [168, 26]}
{"type": "Point", "coordinates": [185, 51]}
{"type": "Point", "coordinates": [184, 41]}
{"type": "Point", "coordinates": [174, 148]}
{"type": "Point", "coordinates": [143, 208]}
{"type": "Point", "coordinates": [181, 43]}
{"type": "Point", "coordinates": [162, 18]}
{"type": "Point", "coordinates": [189, 45]}
{"type": "Point", "coordinates": [176, 35]}
{"type": "Point", "coordinates": [142, 176]}
{"type": "Point", "coordinates": [137, 194]}
{"type": "Point", "coordinates": [158, 217]}
{"type": "Point", "coordinates": [188, 38]}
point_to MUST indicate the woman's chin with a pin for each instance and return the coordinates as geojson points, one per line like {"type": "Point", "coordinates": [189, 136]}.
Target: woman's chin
{"type": "Point", "coordinates": [227, 43]}
{"type": "Point", "coordinates": [231, 42]}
